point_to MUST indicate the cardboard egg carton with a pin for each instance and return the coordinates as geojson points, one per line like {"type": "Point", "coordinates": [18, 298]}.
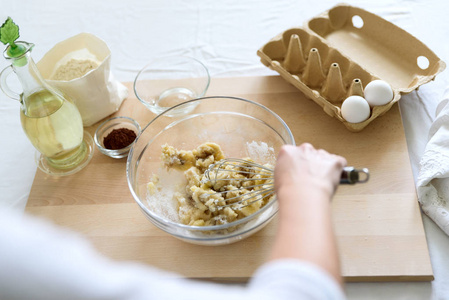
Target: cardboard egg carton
{"type": "Point", "coordinates": [339, 52]}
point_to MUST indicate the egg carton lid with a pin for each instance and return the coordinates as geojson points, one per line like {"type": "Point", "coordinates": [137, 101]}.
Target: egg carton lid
{"type": "Point", "coordinates": [380, 47]}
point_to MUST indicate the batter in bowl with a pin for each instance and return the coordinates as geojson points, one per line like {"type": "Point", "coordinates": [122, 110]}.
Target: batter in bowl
{"type": "Point", "coordinates": [199, 204]}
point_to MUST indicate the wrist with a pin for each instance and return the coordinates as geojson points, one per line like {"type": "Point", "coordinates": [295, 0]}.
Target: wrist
{"type": "Point", "coordinates": [305, 192]}
{"type": "Point", "coordinates": [302, 203]}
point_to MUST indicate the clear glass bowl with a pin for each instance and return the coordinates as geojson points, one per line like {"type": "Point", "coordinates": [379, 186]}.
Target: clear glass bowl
{"type": "Point", "coordinates": [115, 123]}
{"type": "Point", "coordinates": [241, 127]}
{"type": "Point", "coordinates": [171, 80]}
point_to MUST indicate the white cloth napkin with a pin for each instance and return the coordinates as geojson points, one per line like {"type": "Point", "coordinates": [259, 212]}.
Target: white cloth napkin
{"type": "Point", "coordinates": [433, 177]}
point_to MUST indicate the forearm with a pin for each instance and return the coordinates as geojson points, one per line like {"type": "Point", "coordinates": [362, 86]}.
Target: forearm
{"type": "Point", "coordinates": [305, 229]}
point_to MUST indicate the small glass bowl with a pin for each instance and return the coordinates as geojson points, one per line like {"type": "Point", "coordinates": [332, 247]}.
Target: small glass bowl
{"type": "Point", "coordinates": [115, 123]}
{"type": "Point", "coordinates": [168, 81]}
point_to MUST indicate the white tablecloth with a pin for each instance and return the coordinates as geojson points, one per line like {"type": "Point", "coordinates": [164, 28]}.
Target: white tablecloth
{"type": "Point", "coordinates": [225, 36]}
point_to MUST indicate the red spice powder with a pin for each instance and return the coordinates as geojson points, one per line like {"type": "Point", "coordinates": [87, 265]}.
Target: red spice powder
{"type": "Point", "coordinates": [119, 138]}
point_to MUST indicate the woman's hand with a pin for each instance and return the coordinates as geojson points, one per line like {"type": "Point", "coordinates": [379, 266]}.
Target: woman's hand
{"type": "Point", "coordinates": [304, 167]}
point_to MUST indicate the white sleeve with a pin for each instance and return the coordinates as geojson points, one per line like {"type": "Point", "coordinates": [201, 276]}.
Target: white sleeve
{"type": "Point", "coordinates": [294, 279]}
{"type": "Point", "coordinates": [41, 261]}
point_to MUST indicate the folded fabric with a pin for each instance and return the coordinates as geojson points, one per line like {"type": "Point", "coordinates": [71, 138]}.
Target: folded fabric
{"type": "Point", "coordinates": [433, 177]}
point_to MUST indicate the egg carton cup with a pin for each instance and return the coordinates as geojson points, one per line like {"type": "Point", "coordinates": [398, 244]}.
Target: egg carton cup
{"type": "Point", "coordinates": [339, 52]}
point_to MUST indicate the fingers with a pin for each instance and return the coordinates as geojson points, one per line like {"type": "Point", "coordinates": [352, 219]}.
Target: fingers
{"type": "Point", "coordinates": [306, 147]}
{"type": "Point", "coordinates": [341, 161]}
{"type": "Point", "coordinates": [309, 149]}
{"type": "Point", "coordinates": [305, 152]}
{"type": "Point", "coordinates": [287, 150]}
{"type": "Point", "coordinates": [293, 151]}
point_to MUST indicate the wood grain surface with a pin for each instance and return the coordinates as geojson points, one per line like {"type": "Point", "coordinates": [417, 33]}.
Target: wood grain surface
{"type": "Point", "coordinates": [378, 224]}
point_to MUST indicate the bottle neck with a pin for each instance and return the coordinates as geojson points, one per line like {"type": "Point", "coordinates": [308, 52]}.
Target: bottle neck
{"type": "Point", "coordinates": [28, 75]}
{"type": "Point", "coordinates": [37, 97]}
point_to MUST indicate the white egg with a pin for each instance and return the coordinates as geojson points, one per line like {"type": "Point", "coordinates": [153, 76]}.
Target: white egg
{"type": "Point", "coordinates": [355, 109]}
{"type": "Point", "coordinates": [378, 92]}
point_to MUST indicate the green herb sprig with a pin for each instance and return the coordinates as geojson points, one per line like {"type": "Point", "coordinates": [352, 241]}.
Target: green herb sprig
{"type": "Point", "coordinates": [9, 33]}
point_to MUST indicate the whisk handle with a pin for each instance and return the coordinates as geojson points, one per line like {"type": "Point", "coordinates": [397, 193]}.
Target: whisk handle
{"type": "Point", "coordinates": [351, 175]}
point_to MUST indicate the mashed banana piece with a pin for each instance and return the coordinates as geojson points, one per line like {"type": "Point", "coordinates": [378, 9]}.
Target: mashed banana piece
{"type": "Point", "coordinates": [152, 186]}
{"type": "Point", "coordinates": [200, 204]}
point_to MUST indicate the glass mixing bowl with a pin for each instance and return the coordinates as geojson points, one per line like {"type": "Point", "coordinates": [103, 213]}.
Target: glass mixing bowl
{"type": "Point", "coordinates": [241, 127]}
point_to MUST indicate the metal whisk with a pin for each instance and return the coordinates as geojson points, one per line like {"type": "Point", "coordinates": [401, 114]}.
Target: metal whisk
{"type": "Point", "coordinates": [248, 182]}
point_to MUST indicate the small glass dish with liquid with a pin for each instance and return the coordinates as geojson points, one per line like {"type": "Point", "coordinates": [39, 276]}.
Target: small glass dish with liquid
{"type": "Point", "coordinates": [171, 80]}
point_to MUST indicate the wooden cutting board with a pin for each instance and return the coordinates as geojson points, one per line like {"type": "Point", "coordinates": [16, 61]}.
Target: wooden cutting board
{"type": "Point", "coordinates": [378, 224]}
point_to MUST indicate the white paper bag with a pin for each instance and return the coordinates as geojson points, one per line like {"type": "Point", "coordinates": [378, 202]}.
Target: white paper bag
{"type": "Point", "coordinates": [96, 94]}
